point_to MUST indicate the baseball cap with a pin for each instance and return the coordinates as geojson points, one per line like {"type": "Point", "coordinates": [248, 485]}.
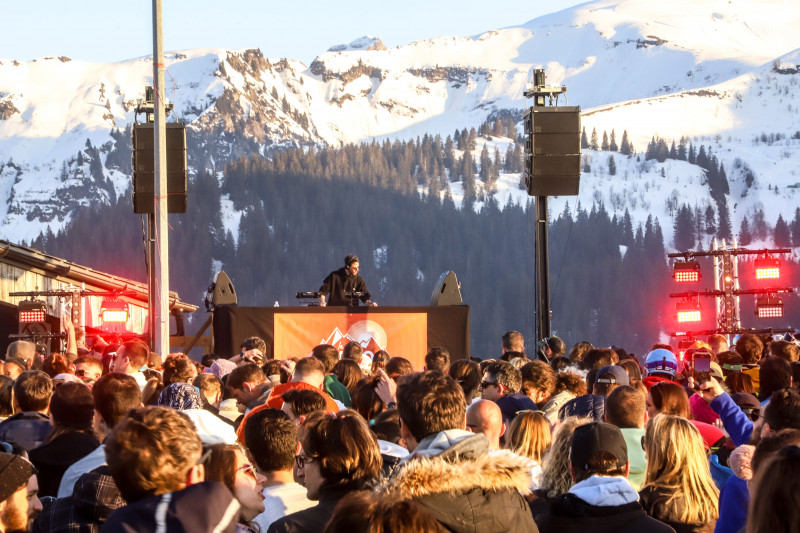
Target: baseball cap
{"type": "Point", "coordinates": [716, 371]}
{"type": "Point", "coordinates": [594, 437]}
{"type": "Point", "coordinates": [612, 374]}
{"type": "Point", "coordinates": [510, 404]}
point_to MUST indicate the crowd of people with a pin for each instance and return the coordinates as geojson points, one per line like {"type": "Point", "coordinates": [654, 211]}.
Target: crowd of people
{"type": "Point", "coordinates": [115, 438]}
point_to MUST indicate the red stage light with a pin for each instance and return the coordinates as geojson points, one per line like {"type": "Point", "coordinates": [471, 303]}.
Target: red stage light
{"type": "Point", "coordinates": [688, 312]}
{"type": "Point", "coordinates": [114, 311]}
{"type": "Point", "coordinates": [769, 307]}
{"type": "Point", "coordinates": [768, 268]}
{"type": "Point", "coordinates": [34, 316]}
{"type": "Point", "coordinates": [32, 312]}
{"type": "Point", "coordinates": [686, 272]}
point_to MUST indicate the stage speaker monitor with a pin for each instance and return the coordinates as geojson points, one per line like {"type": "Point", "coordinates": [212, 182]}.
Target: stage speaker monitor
{"type": "Point", "coordinates": [447, 290]}
{"type": "Point", "coordinates": [552, 165]}
{"type": "Point", "coordinates": [223, 292]}
{"type": "Point", "coordinates": [144, 168]}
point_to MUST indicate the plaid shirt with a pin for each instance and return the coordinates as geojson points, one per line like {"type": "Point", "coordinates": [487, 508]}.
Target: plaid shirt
{"type": "Point", "coordinates": [93, 499]}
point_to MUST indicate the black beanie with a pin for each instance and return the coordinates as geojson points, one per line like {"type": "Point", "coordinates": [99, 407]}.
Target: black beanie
{"type": "Point", "coordinates": [14, 473]}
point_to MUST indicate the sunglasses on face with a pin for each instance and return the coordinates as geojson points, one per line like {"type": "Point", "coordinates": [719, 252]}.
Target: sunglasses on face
{"type": "Point", "coordinates": [248, 470]}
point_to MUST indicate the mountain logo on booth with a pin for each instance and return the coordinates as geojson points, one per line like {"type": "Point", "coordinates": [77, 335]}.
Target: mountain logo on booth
{"type": "Point", "coordinates": [367, 333]}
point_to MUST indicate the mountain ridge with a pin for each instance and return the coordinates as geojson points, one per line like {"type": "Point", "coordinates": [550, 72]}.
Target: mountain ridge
{"type": "Point", "coordinates": [632, 66]}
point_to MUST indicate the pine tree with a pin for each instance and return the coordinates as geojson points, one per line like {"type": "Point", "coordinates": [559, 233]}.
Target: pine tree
{"type": "Point", "coordinates": [724, 230]}
{"type": "Point", "coordinates": [468, 173]}
{"type": "Point", "coordinates": [682, 153]}
{"type": "Point", "coordinates": [782, 234]}
{"type": "Point", "coordinates": [702, 158]}
{"type": "Point", "coordinates": [593, 144]}
{"type": "Point", "coordinates": [745, 235]}
{"type": "Point", "coordinates": [711, 223]}
{"type": "Point", "coordinates": [612, 166]}
{"type": "Point", "coordinates": [625, 146]}
{"type": "Point", "coordinates": [486, 164]}
{"type": "Point", "coordinates": [795, 227]}
{"type": "Point", "coordinates": [584, 140]}
{"type": "Point", "coordinates": [604, 145]}
{"type": "Point", "coordinates": [759, 226]}
{"type": "Point", "coordinates": [684, 229]}
{"type": "Point", "coordinates": [274, 93]}
{"type": "Point", "coordinates": [613, 144]}
{"type": "Point", "coordinates": [285, 107]}
{"type": "Point", "coordinates": [449, 157]}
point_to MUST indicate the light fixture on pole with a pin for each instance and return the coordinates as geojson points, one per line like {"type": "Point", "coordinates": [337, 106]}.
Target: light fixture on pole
{"type": "Point", "coordinates": [769, 307]}
{"type": "Point", "coordinates": [686, 271]}
{"type": "Point", "coordinates": [32, 312]}
{"type": "Point", "coordinates": [768, 268]}
{"type": "Point", "coordinates": [688, 311]}
{"type": "Point", "coordinates": [114, 311]}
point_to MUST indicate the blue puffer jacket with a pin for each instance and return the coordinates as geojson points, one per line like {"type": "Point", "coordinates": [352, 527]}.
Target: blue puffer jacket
{"type": "Point", "coordinates": [29, 429]}
{"type": "Point", "coordinates": [590, 405]}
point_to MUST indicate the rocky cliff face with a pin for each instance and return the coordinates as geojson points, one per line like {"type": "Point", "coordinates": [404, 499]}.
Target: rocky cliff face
{"type": "Point", "coordinates": [63, 123]}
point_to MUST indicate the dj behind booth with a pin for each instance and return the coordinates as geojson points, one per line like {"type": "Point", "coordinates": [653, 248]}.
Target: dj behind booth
{"type": "Point", "coordinates": [341, 312]}
{"type": "Point", "coordinates": [345, 286]}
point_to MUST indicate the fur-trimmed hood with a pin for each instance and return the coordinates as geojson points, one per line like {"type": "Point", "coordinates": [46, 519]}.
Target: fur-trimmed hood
{"type": "Point", "coordinates": [468, 489]}
{"type": "Point", "coordinates": [423, 476]}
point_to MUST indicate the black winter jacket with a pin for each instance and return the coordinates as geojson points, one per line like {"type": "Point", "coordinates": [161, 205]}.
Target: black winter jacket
{"type": "Point", "coordinates": [570, 514]}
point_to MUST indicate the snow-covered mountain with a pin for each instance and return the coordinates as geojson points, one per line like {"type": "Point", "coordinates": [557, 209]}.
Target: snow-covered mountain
{"type": "Point", "coordinates": [717, 73]}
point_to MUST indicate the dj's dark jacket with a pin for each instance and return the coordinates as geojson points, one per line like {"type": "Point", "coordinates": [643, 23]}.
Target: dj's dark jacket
{"type": "Point", "coordinates": [338, 283]}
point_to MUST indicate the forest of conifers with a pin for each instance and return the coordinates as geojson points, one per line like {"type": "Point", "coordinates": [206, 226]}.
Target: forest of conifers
{"type": "Point", "coordinates": [304, 210]}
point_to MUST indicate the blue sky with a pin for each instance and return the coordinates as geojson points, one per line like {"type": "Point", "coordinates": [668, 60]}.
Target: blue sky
{"type": "Point", "coordinates": [108, 31]}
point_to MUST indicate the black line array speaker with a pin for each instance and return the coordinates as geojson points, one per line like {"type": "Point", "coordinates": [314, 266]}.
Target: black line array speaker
{"type": "Point", "coordinates": [144, 168]}
{"type": "Point", "coordinates": [552, 165]}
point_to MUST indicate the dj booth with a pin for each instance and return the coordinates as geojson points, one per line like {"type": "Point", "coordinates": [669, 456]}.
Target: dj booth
{"type": "Point", "coordinates": [293, 331]}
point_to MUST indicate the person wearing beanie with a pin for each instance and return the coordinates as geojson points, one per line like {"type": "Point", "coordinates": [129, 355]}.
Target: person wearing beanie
{"type": "Point", "coordinates": [15, 475]}
{"type": "Point", "coordinates": [72, 415]}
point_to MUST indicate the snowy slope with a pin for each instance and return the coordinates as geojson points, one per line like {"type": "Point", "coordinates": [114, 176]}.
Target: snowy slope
{"type": "Point", "coordinates": [714, 72]}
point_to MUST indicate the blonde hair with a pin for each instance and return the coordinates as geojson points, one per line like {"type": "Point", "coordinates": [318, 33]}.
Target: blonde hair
{"type": "Point", "coordinates": [676, 461]}
{"type": "Point", "coordinates": [556, 478]}
{"type": "Point", "coordinates": [529, 435]}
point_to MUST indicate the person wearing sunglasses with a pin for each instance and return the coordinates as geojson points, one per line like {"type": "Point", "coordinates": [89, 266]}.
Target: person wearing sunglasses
{"type": "Point", "coordinates": [88, 369]}
{"type": "Point", "coordinates": [338, 455]}
{"type": "Point", "coordinates": [499, 379]}
{"type": "Point", "coordinates": [229, 465]}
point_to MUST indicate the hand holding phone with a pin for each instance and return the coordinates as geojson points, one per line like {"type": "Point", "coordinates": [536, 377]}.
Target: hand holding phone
{"type": "Point", "coordinates": [701, 369]}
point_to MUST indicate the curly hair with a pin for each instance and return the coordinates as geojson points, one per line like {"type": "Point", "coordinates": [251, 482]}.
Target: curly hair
{"type": "Point", "coordinates": [178, 369]}
{"type": "Point", "coordinates": [151, 451]}
{"type": "Point", "coordinates": [571, 382]}
{"type": "Point", "coordinates": [556, 478]}
{"type": "Point", "coordinates": [506, 375]}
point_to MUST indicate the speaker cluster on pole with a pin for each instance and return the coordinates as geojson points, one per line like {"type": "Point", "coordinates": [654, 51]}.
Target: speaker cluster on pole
{"type": "Point", "coordinates": [144, 168]}
{"type": "Point", "coordinates": [552, 164]}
